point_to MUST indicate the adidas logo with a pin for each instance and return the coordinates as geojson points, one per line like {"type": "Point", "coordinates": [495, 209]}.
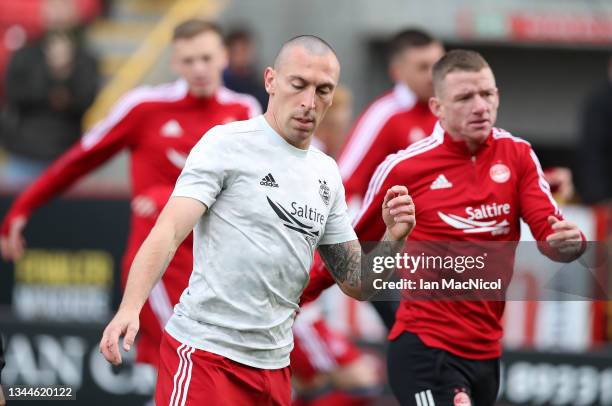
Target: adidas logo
{"type": "Point", "coordinates": [440, 183]}
{"type": "Point", "coordinates": [268, 180]}
{"type": "Point", "coordinates": [172, 129]}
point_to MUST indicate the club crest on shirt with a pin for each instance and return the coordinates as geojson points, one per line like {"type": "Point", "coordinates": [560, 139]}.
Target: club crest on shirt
{"type": "Point", "coordinates": [324, 191]}
{"type": "Point", "coordinates": [499, 172]}
{"type": "Point", "coordinates": [312, 241]}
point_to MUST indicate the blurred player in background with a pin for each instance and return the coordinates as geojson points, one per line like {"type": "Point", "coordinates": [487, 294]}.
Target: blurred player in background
{"type": "Point", "coordinates": [327, 368]}
{"type": "Point", "coordinates": [447, 352]}
{"type": "Point", "coordinates": [392, 122]}
{"type": "Point", "coordinates": [158, 125]}
{"type": "Point", "coordinates": [262, 201]}
{"type": "Point", "coordinates": [331, 133]}
{"type": "Point", "coordinates": [242, 74]}
{"type": "Point", "coordinates": [395, 120]}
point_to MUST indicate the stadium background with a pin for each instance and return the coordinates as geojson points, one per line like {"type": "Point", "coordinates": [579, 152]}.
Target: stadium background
{"type": "Point", "coordinates": [546, 55]}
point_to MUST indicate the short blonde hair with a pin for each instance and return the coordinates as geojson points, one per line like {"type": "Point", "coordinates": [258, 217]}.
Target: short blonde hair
{"type": "Point", "coordinates": [457, 60]}
{"type": "Point", "coordinates": [195, 26]}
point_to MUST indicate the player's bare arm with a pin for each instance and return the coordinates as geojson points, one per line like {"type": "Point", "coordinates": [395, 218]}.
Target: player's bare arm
{"type": "Point", "coordinates": [175, 222]}
{"type": "Point", "coordinates": [344, 260]}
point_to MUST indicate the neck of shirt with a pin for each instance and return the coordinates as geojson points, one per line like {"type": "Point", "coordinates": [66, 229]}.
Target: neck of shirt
{"type": "Point", "coordinates": [461, 146]}
{"type": "Point", "coordinates": [203, 100]}
{"type": "Point", "coordinates": [279, 140]}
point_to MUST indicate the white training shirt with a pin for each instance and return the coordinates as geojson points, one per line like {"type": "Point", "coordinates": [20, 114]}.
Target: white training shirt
{"type": "Point", "coordinates": [269, 206]}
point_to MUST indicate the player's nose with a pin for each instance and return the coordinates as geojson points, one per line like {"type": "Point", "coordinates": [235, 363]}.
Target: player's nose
{"type": "Point", "coordinates": [308, 98]}
{"type": "Point", "coordinates": [480, 105]}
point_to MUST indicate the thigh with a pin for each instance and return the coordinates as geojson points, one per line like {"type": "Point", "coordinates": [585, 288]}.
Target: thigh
{"type": "Point", "coordinates": [279, 382]}
{"type": "Point", "coordinates": [419, 376]}
{"type": "Point", "coordinates": [486, 385]}
{"type": "Point", "coordinates": [188, 376]}
{"type": "Point", "coordinates": [470, 382]}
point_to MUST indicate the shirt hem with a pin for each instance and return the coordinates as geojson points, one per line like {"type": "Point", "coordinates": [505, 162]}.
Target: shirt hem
{"type": "Point", "coordinates": [431, 341]}
{"type": "Point", "coordinates": [340, 239]}
{"type": "Point", "coordinates": [219, 350]}
{"type": "Point", "coordinates": [204, 201]}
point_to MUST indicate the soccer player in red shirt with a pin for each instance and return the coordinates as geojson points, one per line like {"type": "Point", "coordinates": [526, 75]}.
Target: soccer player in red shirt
{"type": "Point", "coordinates": [158, 125]}
{"type": "Point", "coordinates": [447, 352]}
{"type": "Point", "coordinates": [391, 123]}
{"type": "Point", "coordinates": [395, 120]}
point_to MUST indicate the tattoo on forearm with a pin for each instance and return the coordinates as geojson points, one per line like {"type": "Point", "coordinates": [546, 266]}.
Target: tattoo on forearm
{"type": "Point", "coordinates": [343, 261]}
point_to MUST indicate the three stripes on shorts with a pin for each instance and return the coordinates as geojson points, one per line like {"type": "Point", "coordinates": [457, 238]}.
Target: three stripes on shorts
{"type": "Point", "coordinates": [424, 398]}
{"type": "Point", "coordinates": [182, 378]}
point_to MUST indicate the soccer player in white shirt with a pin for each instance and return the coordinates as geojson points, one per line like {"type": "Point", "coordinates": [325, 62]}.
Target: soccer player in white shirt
{"type": "Point", "coordinates": [261, 201]}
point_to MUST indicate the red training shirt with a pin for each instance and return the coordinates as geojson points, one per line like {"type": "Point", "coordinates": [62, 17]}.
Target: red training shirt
{"type": "Point", "coordinates": [447, 183]}
{"type": "Point", "coordinates": [391, 123]}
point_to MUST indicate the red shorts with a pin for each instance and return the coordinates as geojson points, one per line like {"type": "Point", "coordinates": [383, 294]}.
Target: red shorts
{"type": "Point", "coordinates": [318, 349]}
{"type": "Point", "coordinates": [188, 376]}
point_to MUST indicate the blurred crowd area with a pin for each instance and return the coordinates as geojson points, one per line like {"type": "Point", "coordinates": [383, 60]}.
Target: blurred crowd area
{"type": "Point", "coordinates": [56, 55]}
{"type": "Point", "coordinates": [50, 79]}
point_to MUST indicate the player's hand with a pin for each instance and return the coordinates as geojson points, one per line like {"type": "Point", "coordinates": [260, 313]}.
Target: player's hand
{"type": "Point", "coordinates": [398, 212]}
{"type": "Point", "coordinates": [144, 206]}
{"type": "Point", "coordinates": [13, 245]}
{"type": "Point", "coordinates": [566, 238]}
{"type": "Point", "coordinates": [124, 324]}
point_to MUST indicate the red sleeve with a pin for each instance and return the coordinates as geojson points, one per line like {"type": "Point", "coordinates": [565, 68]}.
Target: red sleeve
{"type": "Point", "coordinates": [537, 202]}
{"type": "Point", "coordinates": [368, 145]}
{"type": "Point", "coordinates": [369, 226]}
{"type": "Point", "coordinates": [99, 144]}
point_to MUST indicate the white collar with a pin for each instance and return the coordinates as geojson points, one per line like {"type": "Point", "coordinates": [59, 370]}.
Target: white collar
{"type": "Point", "coordinates": [404, 95]}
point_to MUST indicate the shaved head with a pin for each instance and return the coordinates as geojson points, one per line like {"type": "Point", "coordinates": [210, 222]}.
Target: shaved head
{"type": "Point", "coordinates": [301, 87]}
{"type": "Point", "coordinates": [311, 43]}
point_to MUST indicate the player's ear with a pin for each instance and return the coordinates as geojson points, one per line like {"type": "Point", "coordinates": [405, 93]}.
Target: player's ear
{"type": "Point", "coordinates": [270, 80]}
{"type": "Point", "coordinates": [435, 106]}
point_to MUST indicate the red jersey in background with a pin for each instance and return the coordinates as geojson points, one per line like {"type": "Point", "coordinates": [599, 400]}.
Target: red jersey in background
{"type": "Point", "coordinates": [158, 125]}
{"type": "Point", "coordinates": [447, 184]}
{"type": "Point", "coordinates": [391, 123]}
